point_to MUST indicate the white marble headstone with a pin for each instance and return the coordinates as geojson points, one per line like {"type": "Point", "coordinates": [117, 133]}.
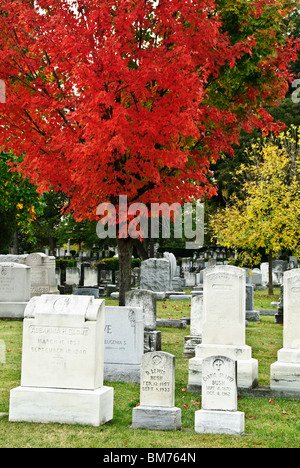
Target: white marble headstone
{"type": "Point", "coordinates": [63, 340]}
{"type": "Point", "coordinates": [224, 305]}
{"type": "Point", "coordinates": [158, 379]}
{"type": "Point", "coordinates": [219, 383]}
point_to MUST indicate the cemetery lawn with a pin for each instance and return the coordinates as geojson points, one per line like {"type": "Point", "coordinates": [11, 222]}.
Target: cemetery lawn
{"type": "Point", "coordinates": [269, 422]}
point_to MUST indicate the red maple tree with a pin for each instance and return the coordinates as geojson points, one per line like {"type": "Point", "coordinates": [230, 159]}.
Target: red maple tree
{"type": "Point", "coordinates": [122, 97]}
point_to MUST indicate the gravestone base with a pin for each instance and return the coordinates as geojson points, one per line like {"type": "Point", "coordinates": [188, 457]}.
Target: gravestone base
{"type": "Point", "coordinates": [129, 373]}
{"type": "Point", "coordinates": [152, 341]}
{"type": "Point", "coordinates": [219, 422]}
{"type": "Point", "coordinates": [252, 315]}
{"type": "Point", "coordinates": [189, 345]}
{"type": "Point", "coordinates": [55, 405]}
{"type": "Point", "coordinates": [12, 310]}
{"type": "Point", "coordinates": [158, 418]}
{"type": "Point", "coordinates": [285, 373]}
{"type": "Point", "coordinates": [247, 367]}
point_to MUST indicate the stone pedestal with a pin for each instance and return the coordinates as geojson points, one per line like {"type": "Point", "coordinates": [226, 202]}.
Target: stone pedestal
{"type": "Point", "coordinates": [247, 367]}
{"type": "Point", "coordinates": [219, 422]}
{"type": "Point", "coordinates": [156, 418]}
{"type": "Point", "coordinates": [52, 405]}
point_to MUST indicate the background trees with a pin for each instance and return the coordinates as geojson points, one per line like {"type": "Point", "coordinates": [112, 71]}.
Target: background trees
{"type": "Point", "coordinates": [136, 98]}
{"type": "Point", "coordinates": [267, 216]}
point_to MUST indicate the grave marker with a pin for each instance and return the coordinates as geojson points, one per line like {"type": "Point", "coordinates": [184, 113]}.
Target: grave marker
{"type": "Point", "coordinates": [224, 311]}
{"type": "Point", "coordinates": [42, 273]}
{"type": "Point", "coordinates": [285, 373]}
{"type": "Point", "coordinates": [124, 343]}
{"type": "Point", "coordinates": [62, 363]}
{"type": "Point", "coordinates": [157, 394]}
{"type": "Point", "coordinates": [219, 413]}
{"type": "Point", "coordinates": [15, 280]}
{"type": "Point", "coordinates": [146, 300]}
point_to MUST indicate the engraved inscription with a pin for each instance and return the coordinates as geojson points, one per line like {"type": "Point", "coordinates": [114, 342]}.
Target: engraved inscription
{"type": "Point", "coordinates": [58, 341]}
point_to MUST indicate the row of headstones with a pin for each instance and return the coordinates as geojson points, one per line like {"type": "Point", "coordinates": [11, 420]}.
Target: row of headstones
{"type": "Point", "coordinates": [61, 335]}
{"type": "Point", "coordinates": [223, 330]}
{"type": "Point", "coordinates": [63, 368]}
{"type": "Point", "coordinates": [90, 276]}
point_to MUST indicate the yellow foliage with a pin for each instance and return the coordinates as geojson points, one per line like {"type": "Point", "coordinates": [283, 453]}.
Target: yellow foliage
{"type": "Point", "coordinates": [268, 215]}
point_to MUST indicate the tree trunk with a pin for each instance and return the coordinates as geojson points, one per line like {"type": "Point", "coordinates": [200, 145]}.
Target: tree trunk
{"type": "Point", "coordinates": [271, 291]}
{"type": "Point", "coordinates": [125, 256]}
{"type": "Point", "coordinates": [52, 245]}
{"type": "Point", "coordinates": [16, 244]}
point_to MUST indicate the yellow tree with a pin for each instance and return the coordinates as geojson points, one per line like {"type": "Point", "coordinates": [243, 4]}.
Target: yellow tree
{"type": "Point", "coordinates": [268, 214]}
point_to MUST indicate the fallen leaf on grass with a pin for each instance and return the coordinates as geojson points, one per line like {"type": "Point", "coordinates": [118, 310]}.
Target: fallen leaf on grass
{"type": "Point", "coordinates": [185, 405]}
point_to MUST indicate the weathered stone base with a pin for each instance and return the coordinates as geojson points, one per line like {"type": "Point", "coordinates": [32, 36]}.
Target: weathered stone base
{"type": "Point", "coordinates": [158, 418]}
{"type": "Point", "coordinates": [189, 345]}
{"type": "Point", "coordinates": [53, 405]}
{"type": "Point", "coordinates": [247, 367]}
{"type": "Point", "coordinates": [219, 422]}
{"type": "Point", "coordinates": [252, 315]}
{"type": "Point", "coordinates": [285, 373]}
{"type": "Point", "coordinates": [122, 373]}
{"type": "Point", "coordinates": [152, 341]}
{"type": "Point", "coordinates": [12, 310]}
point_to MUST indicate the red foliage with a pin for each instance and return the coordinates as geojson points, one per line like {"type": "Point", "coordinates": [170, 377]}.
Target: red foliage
{"type": "Point", "coordinates": [121, 97]}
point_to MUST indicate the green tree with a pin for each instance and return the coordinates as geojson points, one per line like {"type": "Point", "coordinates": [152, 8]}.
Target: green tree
{"type": "Point", "coordinates": [268, 215]}
{"type": "Point", "coordinates": [19, 202]}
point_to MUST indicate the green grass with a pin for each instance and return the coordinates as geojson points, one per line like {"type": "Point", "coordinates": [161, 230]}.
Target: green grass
{"type": "Point", "coordinates": [268, 424]}
{"type": "Point", "coordinates": [262, 299]}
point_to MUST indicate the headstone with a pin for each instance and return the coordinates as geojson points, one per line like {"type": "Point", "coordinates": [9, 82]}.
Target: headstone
{"type": "Point", "coordinates": [42, 273]}
{"type": "Point", "coordinates": [14, 290]}
{"type": "Point", "coordinates": [72, 276]}
{"type": "Point", "coordinates": [190, 279]}
{"type": "Point", "coordinates": [251, 314]}
{"type": "Point", "coordinates": [285, 373]}
{"type": "Point", "coordinates": [156, 275]}
{"type": "Point", "coordinates": [124, 343]}
{"type": "Point", "coordinates": [62, 363]}
{"type": "Point", "coordinates": [224, 311]}
{"type": "Point", "coordinates": [257, 279]}
{"type": "Point", "coordinates": [219, 413]}
{"type": "Point", "coordinates": [87, 292]}
{"type": "Point", "coordinates": [146, 300]}
{"type": "Point", "coordinates": [195, 337]}
{"type": "Point", "coordinates": [90, 276]}
{"type": "Point", "coordinates": [157, 394]}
